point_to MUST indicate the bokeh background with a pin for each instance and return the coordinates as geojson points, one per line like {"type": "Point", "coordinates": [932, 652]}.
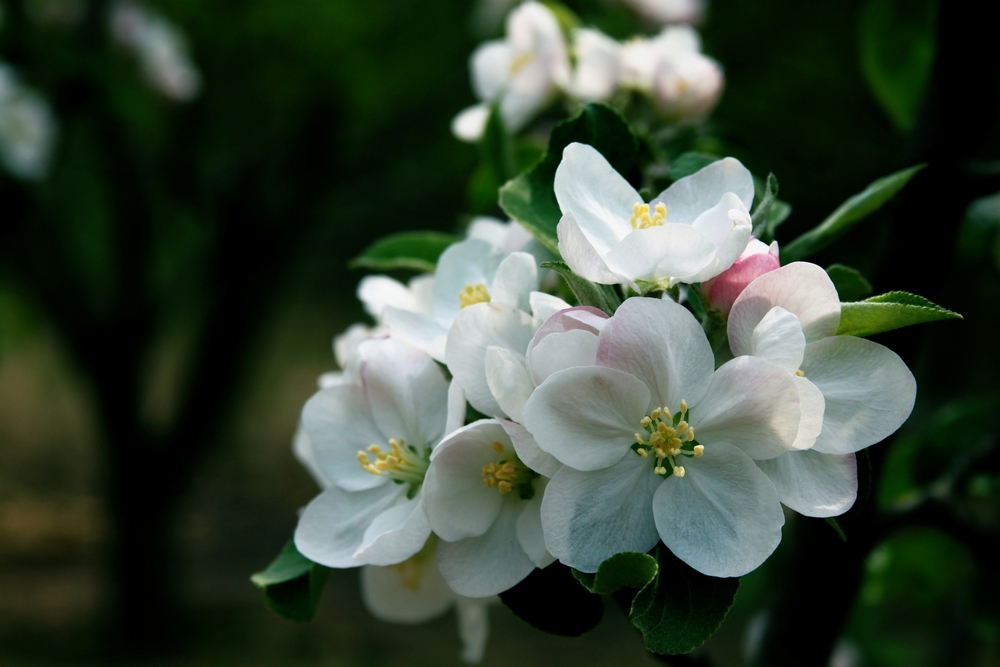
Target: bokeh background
{"type": "Point", "coordinates": [169, 292]}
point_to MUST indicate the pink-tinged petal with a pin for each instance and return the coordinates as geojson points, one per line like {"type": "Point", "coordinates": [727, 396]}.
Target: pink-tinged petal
{"type": "Point", "coordinates": [586, 318]}
{"type": "Point", "coordinates": [581, 255]}
{"type": "Point", "coordinates": [659, 253]}
{"type": "Point", "coordinates": [693, 195]}
{"type": "Point", "coordinates": [801, 288]}
{"type": "Point", "coordinates": [751, 404]}
{"type": "Point", "coordinates": [333, 525]}
{"type": "Point", "coordinates": [813, 483]}
{"type": "Point", "coordinates": [477, 328]}
{"type": "Point", "coordinates": [395, 535]}
{"type": "Point", "coordinates": [661, 343]}
{"type": "Point", "coordinates": [588, 188]}
{"type": "Point", "coordinates": [414, 592]}
{"type": "Point", "coordinates": [457, 503]}
{"type": "Point", "coordinates": [528, 450]}
{"type": "Point", "coordinates": [406, 390]}
{"type": "Point", "coordinates": [516, 278]}
{"type": "Point", "coordinates": [778, 338]}
{"type": "Point", "coordinates": [587, 517]}
{"type": "Point", "coordinates": [560, 351]}
{"type": "Point", "coordinates": [339, 423]}
{"type": "Point", "coordinates": [508, 380]}
{"type": "Point", "coordinates": [587, 416]}
{"type": "Point", "coordinates": [723, 290]}
{"type": "Point", "coordinates": [869, 392]}
{"type": "Point", "coordinates": [723, 518]}
{"type": "Point", "coordinates": [544, 306]}
{"type": "Point", "coordinates": [478, 567]}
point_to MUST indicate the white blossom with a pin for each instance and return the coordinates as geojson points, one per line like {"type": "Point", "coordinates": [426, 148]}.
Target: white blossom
{"type": "Point", "coordinates": [161, 47]}
{"type": "Point", "coordinates": [521, 73]}
{"type": "Point", "coordinates": [669, 11]}
{"type": "Point", "coordinates": [790, 317]}
{"type": "Point", "coordinates": [598, 65]}
{"type": "Point", "coordinates": [694, 230]}
{"type": "Point", "coordinates": [27, 128]}
{"type": "Point", "coordinates": [635, 472]}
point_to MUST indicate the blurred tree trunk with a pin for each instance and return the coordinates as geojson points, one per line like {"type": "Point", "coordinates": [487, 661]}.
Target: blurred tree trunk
{"type": "Point", "coordinates": [818, 591]}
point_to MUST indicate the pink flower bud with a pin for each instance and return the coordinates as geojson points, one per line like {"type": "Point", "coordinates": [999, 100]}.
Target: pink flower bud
{"type": "Point", "coordinates": [758, 259]}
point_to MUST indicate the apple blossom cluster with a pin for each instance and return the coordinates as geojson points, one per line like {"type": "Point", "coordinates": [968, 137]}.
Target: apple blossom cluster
{"type": "Point", "coordinates": [484, 427]}
{"type": "Point", "coordinates": [27, 128]}
{"type": "Point", "coordinates": [526, 71]}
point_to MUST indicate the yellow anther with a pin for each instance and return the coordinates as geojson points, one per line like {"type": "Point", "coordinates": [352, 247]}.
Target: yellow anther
{"type": "Point", "coordinates": [667, 414]}
{"type": "Point", "coordinates": [655, 437]}
{"type": "Point", "coordinates": [362, 457]}
{"type": "Point", "coordinates": [661, 210]}
{"type": "Point", "coordinates": [800, 373]}
{"type": "Point", "coordinates": [520, 62]}
{"type": "Point", "coordinates": [660, 470]}
{"type": "Point", "coordinates": [678, 471]}
{"type": "Point", "coordinates": [375, 449]}
{"type": "Point", "coordinates": [473, 294]}
{"type": "Point", "coordinates": [497, 446]}
{"type": "Point", "coordinates": [690, 435]}
{"type": "Point", "coordinates": [639, 440]}
{"type": "Point", "coordinates": [504, 487]}
{"type": "Point", "coordinates": [665, 430]}
{"type": "Point", "coordinates": [642, 453]}
{"type": "Point", "coordinates": [699, 450]}
{"type": "Point", "coordinates": [682, 427]}
{"type": "Point", "coordinates": [655, 414]}
{"type": "Point", "coordinates": [676, 451]}
{"type": "Point", "coordinates": [646, 421]}
{"type": "Point", "coordinates": [683, 406]}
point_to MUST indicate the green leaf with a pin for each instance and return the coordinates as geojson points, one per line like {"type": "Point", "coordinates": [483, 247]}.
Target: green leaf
{"type": "Point", "coordinates": [850, 284]}
{"type": "Point", "coordinates": [680, 608]}
{"type": "Point", "coordinates": [407, 250]}
{"type": "Point", "coordinates": [628, 569]}
{"type": "Point", "coordinates": [553, 601]}
{"type": "Point", "coordinates": [689, 163]}
{"type": "Point", "coordinates": [847, 215]}
{"type": "Point", "coordinates": [292, 584]}
{"type": "Point", "coordinates": [889, 311]}
{"type": "Point", "coordinates": [770, 212]}
{"type": "Point", "coordinates": [602, 297]}
{"type": "Point", "coordinates": [898, 43]}
{"type": "Point", "coordinates": [530, 199]}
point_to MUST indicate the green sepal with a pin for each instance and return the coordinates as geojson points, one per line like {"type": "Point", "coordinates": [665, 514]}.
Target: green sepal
{"type": "Point", "coordinates": [680, 608]}
{"type": "Point", "coordinates": [602, 297]}
{"type": "Point", "coordinates": [770, 212]}
{"type": "Point", "coordinates": [553, 601]}
{"type": "Point", "coordinates": [292, 584]}
{"type": "Point", "coordinates": [629, 569]}
{"type": "Point", "coordinates": [889, 311]}
{"type": "Point", "coordinates": [418, 251]}
{"type": "Point", "coordinates": [850, 284]}
{"type": "Point", "coordinates": [847, 215]}
{"type": "Point", "coordinates": [530, 198]}
{"type": "Point", "coordinates": [690, 163]}
{"type": "Point", "coordinates": [833, 523]}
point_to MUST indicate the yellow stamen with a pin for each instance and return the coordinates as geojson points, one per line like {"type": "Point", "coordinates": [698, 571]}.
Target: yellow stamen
{"type": "Point", "coordinates": [642, 219]}
{"type": "Point", "coordinates": [800, 373]}
{"type": "Point", "coordinates": [642, 453]}
{"type": "Point", "coordinates": [678, 471]}
{"type": "Point", "coordinates": [699, 450]}
{"type": "Point", "coordinates": [683, 406]}
{"type": "Point", "coordinates": [521, 61]}
{"type": "Point", "coordinates": [473, 294]}
{"type": "Point", "coordinates": [497, 446]}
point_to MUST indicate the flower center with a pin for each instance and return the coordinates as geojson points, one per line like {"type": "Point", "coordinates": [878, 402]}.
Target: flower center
{"type": "Point", "coordinates": [411, 570]}
{"type": "Point", "coordinates": [521, 61]}
{"type": "Point", "coordinates": [668, 437]}
{"type": "Point", "coordinates": [509, 474]}
{"type": "Point", "coordinates": [403, 464]}
{"type": "Point", "coordinates": [473, 294]}
{"type": "Point", "coordinates": [642, 220]}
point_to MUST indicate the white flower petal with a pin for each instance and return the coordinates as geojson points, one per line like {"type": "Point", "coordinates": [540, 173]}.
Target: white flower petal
{"type": "Point", "coordinates": [339, 424]}
{"type": "Point", "coordinates": [470, 123]}
{"type": "Point", "coordinates": [477, 328]}
{"type": "Point", "coordinates": [333, 525]}
{"type": "Point", "coordinates": [597, 65]}
{"type": "Point", "coordinates": [802, 289]}
{"type": "Point", "coordinates": [456, 407]}
{"type": "Point", "coordinates": [529, 527]}
{"type": "Point", "coordinates": [778, 338]}
{"type": "Point", "coordinates": [508, 380]}
{"type": "Point", "coordinates": [490, 68]}
{"type": "Point", "coordinates": [751, 404]}
{"type": "Point", "coordinates": [658, 253]}
{"type": "Point", "coordinates": [544, 306]}
{"type": "Point", "coordinates": [587, 416]}
{"type": "Point", "coordinates": [303, 450]}
{"type": "Point", "coordinates": [812, 405]}
{"type": "Point", "coordinates": [456, 501]}
{"type": "Point", "coordinates": [588, 517]}
{"type": "Point", "coordinates": [599, 199]}
{"type": "Point", "coordinates": [516, 278]}
{"type": "Point", "coordinates": [528, 450]}
{"type": "Point", "coordinates": [421, 331]}
{"type": "Point", "coordinates": [728, 227]}
{"type": "Point", "coordinates": [661, 343]}
{"type": "Point", "coordinates": [561, 350]}
{"type": "Point", "coordinates": [473, 627]}
{"type": "Point", "coordinates": [470, 262]}
{"type": "Point", "coordinates": [723, 518]}
{"type": "Point", "coordinates": [479, 567]}
{"type": "Point", "coordinates": [869, 392]}
{"type": "Point", "coordinates": [411, 592]}
{"type": "Point", "coordinates": [692, 195]}
{"type": "Point", "coordinates": [581, 255]}
{"type": "Point", "coordinates": [406, 389]}
{"type": "Point", "coordinates": [395, 535]}
{"type": "Point", "coordinates": [813, 483]}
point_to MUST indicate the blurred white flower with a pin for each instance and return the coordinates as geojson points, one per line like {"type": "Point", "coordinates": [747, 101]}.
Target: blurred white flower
{"type": "Point", "coordinates": [162, 49]}
{"type": "Point", "coordinates": [521, 73]}
{"type": "Point", "coordinates": [27, 128]}
{"type": "Point", "coordinates": [669, 11]}
{"type": "Point", "coordinates": [598, 65]}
